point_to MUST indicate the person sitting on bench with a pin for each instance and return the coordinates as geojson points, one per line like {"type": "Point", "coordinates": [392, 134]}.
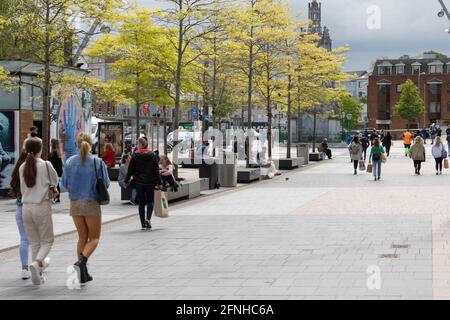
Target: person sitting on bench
{"type": "Point", "coordinates": [325, 149]}
{"type": "Point", "coordinates": [166, 173]}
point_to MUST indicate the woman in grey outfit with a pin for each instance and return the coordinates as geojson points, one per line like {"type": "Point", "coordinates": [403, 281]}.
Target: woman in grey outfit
{"type": "Point", "coordinates": [356, 151]}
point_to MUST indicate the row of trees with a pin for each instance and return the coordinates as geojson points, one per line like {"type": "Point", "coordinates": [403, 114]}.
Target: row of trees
{"type": "Point", "coordinates": [229, 52]}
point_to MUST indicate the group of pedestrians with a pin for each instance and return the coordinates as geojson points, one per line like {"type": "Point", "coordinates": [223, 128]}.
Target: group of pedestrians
{"type": "Point", "coordinates": [35, 184]}
{"type": "Point", "coordinates": [380, 151]}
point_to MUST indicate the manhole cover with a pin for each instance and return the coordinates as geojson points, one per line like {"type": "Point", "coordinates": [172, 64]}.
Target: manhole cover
{"type": "Point", "coordinates": [389, 256]}
{"type": "Point", "coordinates": [400, 246]}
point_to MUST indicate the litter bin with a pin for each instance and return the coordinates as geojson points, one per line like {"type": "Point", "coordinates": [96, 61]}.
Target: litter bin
{"type": "Point", "coordinates": [210, 171]}
{"type": "Point", "coordinates": [228, 170]}
{"type": "Point", "coordinates": [303, 152]}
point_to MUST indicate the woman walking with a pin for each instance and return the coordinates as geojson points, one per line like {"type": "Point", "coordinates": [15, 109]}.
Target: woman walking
{"type": "Point", "coordinates": [37, 179]}
{"type": "Point", "coordinates": [418, 154]}
{"type": "Point", "coordinates": [376, 158]}
{"type": "Point", "coordinates": [56, 161]}
{"type": "Point", "coordinates": [80, 178]}
{"type": "Point", "coordinates": [356, 151]}
{"type": "Point", "coordinates": [387, 143]}
{"type": "Point", "coordinates": [15, 192]}
{"type": "Point", "coordinates": [439, 154]}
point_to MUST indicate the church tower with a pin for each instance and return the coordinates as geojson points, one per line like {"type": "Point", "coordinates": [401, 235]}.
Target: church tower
{"type": "Point", "coordinates": [315, 16]}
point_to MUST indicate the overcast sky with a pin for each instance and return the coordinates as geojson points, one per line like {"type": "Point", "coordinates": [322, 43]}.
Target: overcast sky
{"type": "Point", "coordinates": [407, 27]}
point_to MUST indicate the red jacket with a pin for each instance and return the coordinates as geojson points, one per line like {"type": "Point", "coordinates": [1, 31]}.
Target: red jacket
{"type": "Point", "coordinates": [109, 157]}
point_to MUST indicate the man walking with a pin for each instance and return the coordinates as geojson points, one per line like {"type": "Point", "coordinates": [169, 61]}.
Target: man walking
{"type": "Point", "coordinates": [407, 138]}
{"type": "Point", "coordinates": [144, 169]}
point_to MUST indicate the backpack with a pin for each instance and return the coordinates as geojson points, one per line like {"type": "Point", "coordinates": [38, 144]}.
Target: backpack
{"type": "Point", "coordinates": [355, 149]}
{"type": "Point", "coordinates": [376, 155]}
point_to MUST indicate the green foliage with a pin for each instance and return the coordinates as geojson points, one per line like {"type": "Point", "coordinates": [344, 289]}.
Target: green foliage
{"type": "Point", "coordinates": [349, 105]}
{"type": "Point", "coordinates": [438, 54]}
{"type": "Point", "coordinates": [411, 106]}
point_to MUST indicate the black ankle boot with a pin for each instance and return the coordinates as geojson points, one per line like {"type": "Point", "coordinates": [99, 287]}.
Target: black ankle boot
{"type": "Point", "coordinates": [81, 264]}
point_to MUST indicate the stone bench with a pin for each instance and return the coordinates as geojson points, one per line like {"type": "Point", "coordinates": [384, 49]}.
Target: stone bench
{"type": "Point", "coordinates": [316, 156]}
{"type": "Point", "coordinates": [247, 175]}
{"type": "Point", "coordinates": [288, 164]}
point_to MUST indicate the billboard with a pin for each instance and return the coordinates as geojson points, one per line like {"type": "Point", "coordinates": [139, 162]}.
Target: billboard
{"type": "Point", "coordinates": [111, 132]}
{"type": "Point", "coordinates": [9, 145]}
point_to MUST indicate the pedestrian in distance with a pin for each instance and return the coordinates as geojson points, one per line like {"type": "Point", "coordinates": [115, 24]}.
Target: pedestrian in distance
{"type": "Point", "coordinates": [433, 132]}
{"type": "Point", "coordinates": [407, 140]}
{"type": "Point", "coordinates": [326, 149]}
{"type": "Point", "coordinates": [80, 176]}
{"type": "Point", "coordinates": [424, 135]}
{"type": "Point", "coordinates": [144, 169]}
{"type": "Point", "coordinates": [439, 154]}
{"type": "Point", "coordinates": [387, 142]}
{"type": "Point", "coordinates": [356, 151]}
{"type": "Point", "coordinates": [376, 158]}
{"type": "Point", "coordinates": [365, 145]}
{"type": "Point", "coordinates": [418, 154]}
{"type": "Point", "coordinates": [37, 178]}
{"type": "Point", "coordinates": [123, 170]}
{"type": "Point", "coordinates": [15, 192]}
{"type": "Point", "coordinates": [373, 136]}
{"type": "Point", "coordinates": [57, 163]}
{"type": "Point", "coordinates": [448, 136]}
{"type": "Point", "coordinates": [109, 156]}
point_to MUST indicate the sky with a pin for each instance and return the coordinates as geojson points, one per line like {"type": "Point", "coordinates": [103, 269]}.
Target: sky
{"type": "Point", "coordinates": [405, 27]}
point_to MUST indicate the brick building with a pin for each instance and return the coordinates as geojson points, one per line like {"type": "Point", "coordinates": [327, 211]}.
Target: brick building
{"type": "Point", "coordinates": [430, 73]}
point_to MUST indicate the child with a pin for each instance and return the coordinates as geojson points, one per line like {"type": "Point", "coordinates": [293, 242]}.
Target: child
{"type": "Point", "coordinates": [166, 172]}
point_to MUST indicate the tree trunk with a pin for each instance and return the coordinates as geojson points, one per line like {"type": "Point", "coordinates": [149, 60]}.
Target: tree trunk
{"type": "Point", "coordinates": [314, 131]}
{"type": "Point", "coordinates": [250, 93]}
{"type": "Point", "coordinates": [289, 116]}
{"type": "Point", "coordinates": [46, 91]}
{"type": "Point", "coordinates": [138, 115]}
{"type": "Point", "coordinates": [165, 128]}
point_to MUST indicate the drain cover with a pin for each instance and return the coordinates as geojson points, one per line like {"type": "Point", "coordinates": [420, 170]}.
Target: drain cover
{"type": "Point", "coordinates": [389, 256]}
{"type": "Point", "coordinates": [400, 246]}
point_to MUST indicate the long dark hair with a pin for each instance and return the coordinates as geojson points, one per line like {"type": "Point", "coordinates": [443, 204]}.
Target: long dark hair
{"type": "Point", "coordinates": [33, 147]}
{"type": "Point", "coordinates": [356, 139]}
{"type": "Point", "coordinates": [15, 177]}
{"type": "Point", "coordinates": [56, 147]}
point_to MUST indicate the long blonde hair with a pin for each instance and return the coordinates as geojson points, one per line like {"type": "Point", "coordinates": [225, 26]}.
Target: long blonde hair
{"type": "Point", "coordinates": [84, 144]}
{"type": "Point", "coordinates": [418, 141]}
{"type": "Point", "coordinates": [438, 141]}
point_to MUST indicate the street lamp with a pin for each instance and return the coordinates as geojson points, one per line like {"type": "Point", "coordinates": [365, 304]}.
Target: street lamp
{"type": "Point", "coordinates": [424, 100]}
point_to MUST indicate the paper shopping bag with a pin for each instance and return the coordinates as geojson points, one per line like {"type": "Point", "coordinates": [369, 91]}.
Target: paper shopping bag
{"type": "Point", "coordinates": [362, 165]}
{"type": "Point", "coordinates": [446, 163]}
{"type": "Point", "coordinates": [161, 204]}
{"type": "Point", "coordinates": [369, 168]}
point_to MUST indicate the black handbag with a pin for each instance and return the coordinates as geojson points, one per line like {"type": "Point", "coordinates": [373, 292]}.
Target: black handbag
{"type": "Point", "coordinates": [102, 191]}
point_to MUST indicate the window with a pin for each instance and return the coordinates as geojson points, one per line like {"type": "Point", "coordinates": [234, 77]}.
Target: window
{"type": "Point", "coordinates": [384, 70]}
{"type": "Point", "coordinates": [400, 69]}
{"type": "Point", "coordinates": [448, 88]}
{"type": "Point", "coordinates": [435, 107]}
{"type": "Point", "coordinates": [435, 68]}
{"type": "Point", "coordinates": [416, 69]}
{"type": "Point", "coordinates": [448, 107]}
{"type": "Point", "coordinates": [399, 88]}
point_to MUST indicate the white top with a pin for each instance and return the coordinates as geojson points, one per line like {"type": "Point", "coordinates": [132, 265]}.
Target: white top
{"type": "Point", "coordinates": [39, 192]}
{"type": "Point", "coordinates": [437, 151]}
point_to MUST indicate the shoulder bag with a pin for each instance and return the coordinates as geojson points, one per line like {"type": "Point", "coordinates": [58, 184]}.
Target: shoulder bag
{"type": "Point", "coordinates": [102, 191]}
{"type": "Point", "coordinates": [52, 190]}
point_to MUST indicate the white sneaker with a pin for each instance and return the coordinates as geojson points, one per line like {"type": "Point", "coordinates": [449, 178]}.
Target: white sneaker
{"type": "Point", "coordinates": [46, 264]}
{"type": "Point", "coordinates": [43, 279]}
{"type": "Point", "coordinates": [25, 274]}
{"type": "Point", "coordinates": [36, 273]}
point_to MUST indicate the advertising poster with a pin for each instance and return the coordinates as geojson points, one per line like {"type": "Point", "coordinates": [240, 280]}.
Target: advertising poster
{"type": "Point", "coordinates": [111, 132]}
{"type": "Point", "coordinates": [70, 115]}
{"type": "Point", "coordinates": [9, 146]}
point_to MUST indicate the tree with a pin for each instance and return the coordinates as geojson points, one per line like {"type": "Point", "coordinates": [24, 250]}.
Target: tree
{"type": "Point", "coordinates": [411, 106]}
{"type": "Point", "coordinates": [438, 54]}
{"type": "Point", "coordinates": [190, 21]}
{"type": "Point", "coordinates": [44, 31]}
{"type": "Point", "coordinates": [350, 106]}
{"type": "Point", "coordinates": [318, 77]}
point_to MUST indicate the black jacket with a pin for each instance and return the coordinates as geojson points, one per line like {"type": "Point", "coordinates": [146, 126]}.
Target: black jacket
{"type": "Point", "coordinates": [56, 162]}
{"type": "Point", "coordinates": [144, 168]}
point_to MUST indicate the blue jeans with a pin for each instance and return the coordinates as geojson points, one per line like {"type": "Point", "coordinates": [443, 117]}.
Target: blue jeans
{"type": "Point", "coordinates": [377, 168]}
{"type": "Point", "coordinates": [146, 196]}
{"type": "Point", "coordinates": [23, 238]}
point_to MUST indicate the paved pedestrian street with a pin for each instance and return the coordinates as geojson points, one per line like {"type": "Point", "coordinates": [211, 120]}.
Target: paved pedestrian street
{"type": "Point", "coordinates": [315, 233]}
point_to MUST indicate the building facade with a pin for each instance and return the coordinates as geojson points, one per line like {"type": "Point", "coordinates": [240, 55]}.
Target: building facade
{"type": "Point", "coordinates": [432, 76]}
{"type": "Point", "coordinates": [357, 86]}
